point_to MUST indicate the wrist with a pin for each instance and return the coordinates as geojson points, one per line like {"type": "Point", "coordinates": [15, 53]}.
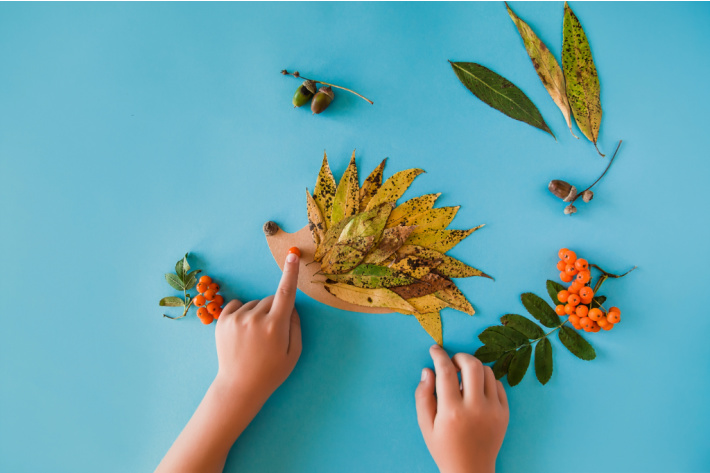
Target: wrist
{"type": "Point", "coordinates": [238, 403]}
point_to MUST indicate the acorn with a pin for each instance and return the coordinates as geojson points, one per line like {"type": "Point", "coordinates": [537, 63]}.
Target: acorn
{"type": "Point", "coordinates": [322, 99]}
{"type": "Point", "coordinates": [570, 209]}
{"type": "Point", "coordinates": [304, 93]}
{"type": "Point", "coordinates": [564, 190]}
{"type": "Point", "coordinates": [587, 196]}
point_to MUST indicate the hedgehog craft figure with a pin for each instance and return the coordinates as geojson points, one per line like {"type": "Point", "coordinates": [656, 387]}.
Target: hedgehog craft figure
{"type": "Point", "coordinates": [362, 252]}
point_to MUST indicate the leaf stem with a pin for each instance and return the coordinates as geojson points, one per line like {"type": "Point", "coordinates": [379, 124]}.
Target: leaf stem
{"type": "Point", "coordinates": [605, 170]}
{"type": "Point", "coordinates": [187, 307]}
{"type": "Point", "coordinates": [299, 76]}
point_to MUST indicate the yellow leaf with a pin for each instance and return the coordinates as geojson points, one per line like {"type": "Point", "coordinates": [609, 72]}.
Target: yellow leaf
{"type": "Point", "coordinates": [371, 185]}
{"type": "Point", "coordinates": [369, 297]}
{"type": "Point", "coordinates": [439, 240]}
{"type": "Point", "coordinates": [410, 208]}
{"type": "Point", "coordinates": [414, 266]}
{"type": "Point", "coordinates": [428, 303]}
{"type": "Point", "coordinates": [331, 236]}
{"type": "Point", "coordinates": [449, 267]}
{"type": "Point", "coordinates": [315, 220]}
{"type": "Point", "coordinates": [455, 299]}
{"type": "Point", "coordinates": [392, 239]}
{"type": "Point", "coordinates": [324, 192]}
{"type": "Point", "coordinates": [434, 219]}
{"type": "Point", "coordinates": [431, 322]}
{"type": "Point", "coordinates": [347, 196]}
{"type": "Point", "coordinates": [394, 187]}
{"type": "Point", "coordinates": [342, 258]}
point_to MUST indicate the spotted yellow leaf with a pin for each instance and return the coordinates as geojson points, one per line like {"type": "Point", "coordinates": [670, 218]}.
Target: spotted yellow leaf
{"type": "Point", "coordinates": [346, 202]}
{"type": "Point", "coordinates": [439, 240]}
{"type": "Point", "coordinates": [411, 208]}
{"type": "Point", "coordinates": [394, 187]}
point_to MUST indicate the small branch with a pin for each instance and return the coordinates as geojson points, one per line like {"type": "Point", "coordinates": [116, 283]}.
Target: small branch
{"type": "Point", "coordinates": [187, 307]}
{"type": "Point", "coordinates": [600, 153]}
{"type": "Point", "coordinates": [297, 75]}
{"type": "Point", "coordinates": [611, 275]}
{"type": "Point", "coordinates": [605, 170]}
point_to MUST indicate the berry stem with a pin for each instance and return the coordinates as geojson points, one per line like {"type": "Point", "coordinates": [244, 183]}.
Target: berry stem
{"type": "Point", "coordinates": [299, 76]}
{"type": "Point", "coordinates": [611, 275]}
{"type": "Point", "coordinates": [605, 170]}
{"type": "Point", "coordinates": [187, 307]}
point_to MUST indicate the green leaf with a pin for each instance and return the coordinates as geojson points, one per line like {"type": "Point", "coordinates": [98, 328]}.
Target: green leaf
{"type": "Point", "coordinates": [581, 77]}
{"type": "Point", "coordinates": [540, 309]}
{"type": "Point", "coordinates": [546, 66]}
{"type": "Point", "coordinates": [182, 267]}
{"type": "Point", "coordinates": [488, 353]}
{"type": "Point", "coordinates": [172, 302]}
{"type": "Point", "coordinates": [519, 365]}
{"type": "Point", "coordinates": [503, 337]}
{"type": "Point", "coordinates": [525, 326]}
{"type": "Point", "coordinates": [499, 93]}
{"type": "Point", "coordinates": [552, 289]}
{"type": "Point", "coordinates": [500, 367]}
{"type": "Point", "coordinates": [543, 360]}
{"type": "Point", "coordinates": [576, 344]}
{"type": "Point", "coordinates": [598, 301]}
{"type": "Point", "coordinates": [175, 281]}
{"type": "Point", "coordinates": [191, 279]}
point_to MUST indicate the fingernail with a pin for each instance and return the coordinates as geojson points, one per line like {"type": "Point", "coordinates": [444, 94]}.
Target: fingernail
{"type": "Point", "coordinates": [425, 373]}
{"type": "Point", "coordinates": [292, 258]}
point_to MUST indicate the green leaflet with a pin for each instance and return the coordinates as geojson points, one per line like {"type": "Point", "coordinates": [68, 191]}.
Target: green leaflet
{"type": "Point", "coordinates": [540, 309]}
{"type": "Point", "coordinates": [346, 202]}
{"type": "Point", "coordinates": [372, 184]}
{"type": "Point", "coordinates": [372, 276]}
{"type": "Point", "coordinates": [576, 344]}
{"type": "Point", "coordinates": [546, 66]}
{"type": "Point", "coordinates": [324, 191]}
{"type": "Point", "coordinates": [581, 77]}
{"type": "Point", "coordinates": [394, 187]}
{"type": "Point", "coordinates": [175, 281]}
{"type": "Point", "coordinates": [172, 302]}
{"type": "Point", "coordinates": [500, 367]}
{"type": "Point", "coordinates": [495, 337]}
{"type": "Point", "coordinates": [543, 361]}
{"type": "Point", "coordinates": [499, 93]}
{"type": "Point", "coordinates": [525, 326]}
{"type": "Point", "coordinates": [552, 289]}
{"type": "Point", "coordinates": [182, 267]}
{"type": "Point", "coordinates": [488, 353]}
{"type": "Point", "coordinates": [519, 365]}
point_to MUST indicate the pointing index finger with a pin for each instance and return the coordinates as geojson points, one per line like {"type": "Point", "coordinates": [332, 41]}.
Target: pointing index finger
{"type": "Point", "coordinates": [285, 296]}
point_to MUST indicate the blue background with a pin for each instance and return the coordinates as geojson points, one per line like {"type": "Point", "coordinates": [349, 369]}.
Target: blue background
{"type": "Point", "coordinates": [132, 133]}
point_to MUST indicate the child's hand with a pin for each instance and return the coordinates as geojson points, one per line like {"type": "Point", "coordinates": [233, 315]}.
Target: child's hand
{"type": "Point", "coordinates": [464, 424]}
{"type": "Point", "coordinates": [258, 343]}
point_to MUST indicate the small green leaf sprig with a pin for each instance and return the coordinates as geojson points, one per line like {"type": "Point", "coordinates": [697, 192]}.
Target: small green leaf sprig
{"type": "Point", "coordinates": [182, 280]}
{"type": "Point", "coordinates": [510, 345]}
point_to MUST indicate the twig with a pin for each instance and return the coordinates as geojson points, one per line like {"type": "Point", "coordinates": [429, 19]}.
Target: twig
{"type": "Point", "coordinates": [297, 75]}
{"type": "Point", "coordinates": [605, 170]}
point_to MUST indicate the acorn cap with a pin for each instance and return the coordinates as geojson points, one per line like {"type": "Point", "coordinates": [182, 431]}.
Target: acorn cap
{"type": "Point", "coordinates": [570, 209]}
{"type": "Point", "coordinates": [327, 90]}
{"type": "Point", "coordinates": [564, 190]}
{"type": "Point", "coordinates": [587, 195]}
{"type": "Point", "coordinates": [270, 228]}
{"type": "Point", "coordinates": [310, 86]}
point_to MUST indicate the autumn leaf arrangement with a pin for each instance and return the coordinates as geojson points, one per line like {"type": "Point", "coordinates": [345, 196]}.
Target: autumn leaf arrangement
{"type": "Point", "coordinates": [376, 253]}
{"type": "Point", "coordinates": [509, 346]}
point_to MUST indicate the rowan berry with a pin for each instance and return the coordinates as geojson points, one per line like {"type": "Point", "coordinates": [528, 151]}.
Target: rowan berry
{"type": "Point", "coordinates": [573, 319]}
{"type": "Point", "coordinates": [214, 287]}
{"type": "Point", "coordinates": [206, 280]}
{"type": "Point", "coordinates": [582, 311]}
{"type": "Point", "coordinates": [608, 326]}
{"type": "Point", "coordinates": [581, 264]}
{"type": "Point", "coordinates": [207, 319]}
{"type": "Point", "coordinates": [569, 257]}
{"type": "Point", "coordinates": [570, 269]}
{"type": "Point", "coordinates": [583, 277]}
{"type": "Point", "coordinates": [561, 265]}
{"type": "Point", "coordinates": [577, 326]}
{"type": "Point", "coordinates": [560, 310]}
{"type": "Point", "coordinates": [202, 287]}
{"type": "Point", "coordinates": [585, 323]}
{"type": "Point", "coordinates": [561, 253]}
{"type": "Point", "coordinates": [564, 277]}
{"type": "Point", "coordinates": [562, 296]}
{"type": "Point", "coordinates": [595, 327]}
{"type": "Point", "coordinates": [586, 293]}
{"type": "Point", "coordinates": [212, 307]}
{"type": "Point", "coordinates": [575, 287]}
{"type": "Point", "coordinates": [217, 313]}
{"type": "Point", "coordinates": [199, 300]}
{"type": "Point", "coordinates": [209, 294]}
{"type": "Point", "coordinates": [202, 312]}
{"type": "Point", "coordinates": [569, 309]}
{"type": "Point", "coordinates": [614, 316]}
{"type": "Point", "coordinates": [603, 322]}
{"type": "Point", "coordinates": [219, 300]}
{"type": "Point", "coordinates": [595, 314]}
{"type": "Point", "coordinates": [573, 300]}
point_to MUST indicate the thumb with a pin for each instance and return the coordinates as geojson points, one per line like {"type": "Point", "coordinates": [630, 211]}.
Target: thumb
{"type": "Point", "coordinates": [426, 402]}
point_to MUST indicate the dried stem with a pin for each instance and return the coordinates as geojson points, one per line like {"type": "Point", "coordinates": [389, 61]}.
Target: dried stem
{"type": "Point", "coordinates": [611, 275]}
{"type": "Point", "coordinates": [605, 170]}
{"type": "Point", "coordinates": [297, 75]}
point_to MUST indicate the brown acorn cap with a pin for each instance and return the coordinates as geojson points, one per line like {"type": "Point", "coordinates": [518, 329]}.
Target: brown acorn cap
{"type": "Point", "coordinates": [327, 90]}
{"type": "Point", "coordinates": [310, 86]}
{"type": "Point", "coordinates": [587, 195]}
{"type": "Point", "coordinates": [570, 209]}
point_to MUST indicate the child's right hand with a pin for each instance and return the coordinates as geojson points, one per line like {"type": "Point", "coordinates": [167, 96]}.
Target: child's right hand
{"type": "Point", "coordinates": [464, 424]}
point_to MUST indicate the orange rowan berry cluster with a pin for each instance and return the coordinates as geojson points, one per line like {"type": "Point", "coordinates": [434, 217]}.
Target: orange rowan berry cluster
{"type": "Point", "coordinates": [208, 300]}
{"type": "Point", "coordinates": [578, 298]}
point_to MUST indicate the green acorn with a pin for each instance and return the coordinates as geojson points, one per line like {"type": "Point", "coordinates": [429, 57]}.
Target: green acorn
{"type": "Point", "coordinates": [322, 99]}
{"type": "Point", "coordinates": [304, 93]}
